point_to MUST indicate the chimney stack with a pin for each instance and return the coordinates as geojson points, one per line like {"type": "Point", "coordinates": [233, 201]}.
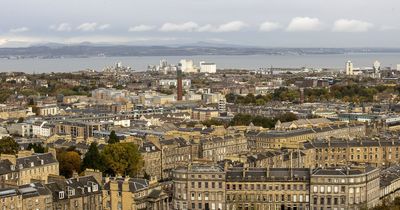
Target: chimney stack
{"type": "Point", "coordinates": [179, 85]}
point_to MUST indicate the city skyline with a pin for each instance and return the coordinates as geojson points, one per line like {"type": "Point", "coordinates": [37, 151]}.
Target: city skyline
{"type": "Point", "coordinates": [308, 23]}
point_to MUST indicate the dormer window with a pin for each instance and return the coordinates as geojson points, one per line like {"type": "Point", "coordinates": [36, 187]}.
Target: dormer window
{"type": "Point", "coordinates": [95, 187]}
{"type": "Point", "coordinates": [12, 167]}
{"type": "Point", "coordinates": [21, 166]}
{"type": "Point", "coordinates": [71, 192]}
{"type": "Point", "coordinates": [41, 162]}
{"type": "Point", "coordinates": [61, 195]}
{"type": "Point", "coordinates": [32, 164]}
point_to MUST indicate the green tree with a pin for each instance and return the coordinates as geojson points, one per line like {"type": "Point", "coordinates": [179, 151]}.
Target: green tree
{"type": "Point", "coordinates": [69, 162]}
{"type": "Point", "coordinates": [122, 159]}
{"type": "Point", "coordinates": [93, 158]}
{"type": "Point", "coordinates": [113, 138]}
{"type": "Point", "coordinates": [20, 120]}
{"type": "Point", "coordinates": [37, 148]}
{"type": "Point", "coordinates": [8, 146]}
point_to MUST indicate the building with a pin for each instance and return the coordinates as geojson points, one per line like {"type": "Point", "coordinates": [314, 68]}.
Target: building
{"type": "Point", "coordinates": [349, 68]}
{"type": "Point", "coordinates": [344, 188]}
{"type": "Point", "coordinates": [377, 70]}
{"type": "Point", "coordinates": [152, 160]}
{"type": "Point", "coordinates": [27, 167]}
{"type": "Point", "coordinates": [294, 139]}
{"type": "Point", "coordinates": [267, 188]}
{"type": "Point", "coordinates": [133, 194]}
{"type": "Point", "coordinates": [187, 66]}
{"type": "Point", "coordinates": [210, 68]}
{"type": "Point", "coordinates": [203, 114]}
{"type": "Point", "coordinates": [221, 148]}
{"type": "Point", "coordinates": [31, 196]}
{"type": "Point", "coordinates": [42, 129]}
{"type": "Point", "coordinates": [21, 129]}
{"type": "Point", "coordinates": [166, 83]}
{"type": "Point", "coordinates": [75, 193]}
{"type": "Point", "coordinates": [199, 187]}
{"type": "Point", "coordinates": [47, 110]}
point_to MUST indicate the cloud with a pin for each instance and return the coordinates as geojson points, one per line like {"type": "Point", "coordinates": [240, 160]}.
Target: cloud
{"type": "Point", "coordinates": [61, 27]}
{"type": "Point", "coordinates": [304, 24]}
{"type": "Point", "coordinates": [231, 26]}
{"type": "Point", "coordinates": [207, 28]}
{"type": "Point", "coordinates": [19, 30]}
{"type": "Point", "coordinates": [104, 27]}
{"type": "Point", "coordinates": [345, 25]}
{"type": "Point", "coordinates": [184, 27]}
{"type": "Point", "coordinates": [141, 28]}
{"type": "Point", "coordinates": [269, 26]}
{"type": "Point", "coordinates": [388, 28]}
{"type": "Point", "coordinates": [87, 26]}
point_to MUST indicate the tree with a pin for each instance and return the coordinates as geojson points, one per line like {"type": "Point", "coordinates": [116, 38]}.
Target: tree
{"type": "Point", "coordinates": [37, 148]}
{"type": "Point", "coordinates": [93, 158]}
{"type": "Point", "coordinates": [113, 138]}
{"type": "Point", "coordinates": [8, 146]}
{"type": "Point", "coordinates": [122, 159]}
{"type": "Point", "coordinates": [20, 120]}
{"type": "Point", "coordinates": [69, 162]}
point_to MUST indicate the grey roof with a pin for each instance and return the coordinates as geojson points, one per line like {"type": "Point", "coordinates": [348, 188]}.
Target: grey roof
{"type": "Point", "coordinates": [36, 159]}
{"type": "Point", "coordinates": [135, 184]}
{"type": "Point", "coordinates": [267, 174]}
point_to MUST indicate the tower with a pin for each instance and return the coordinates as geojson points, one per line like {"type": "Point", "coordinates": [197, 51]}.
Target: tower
{"type": "Point", "coordinates": [377, 69]}
{"type": "Point", "coordinates": [179, 84]}
{"type": "Point", "coordinates": [349, 68]}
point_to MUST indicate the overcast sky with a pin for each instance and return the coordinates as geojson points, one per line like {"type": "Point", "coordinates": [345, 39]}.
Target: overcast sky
{"type": "Point", "coordinates": [266, 23]}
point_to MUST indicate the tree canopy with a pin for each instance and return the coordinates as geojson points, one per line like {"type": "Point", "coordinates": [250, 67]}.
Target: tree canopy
{"type": "Point", "coordinates": [122, 159]}
{"type": "Point", "coordinates": [8, 146]}
{"type": "Point", "coordinates": [93, 158]}
{"type": "Point", "coordinates": [113, 138]}
{"type": "Point", "coordinates": [69, 162]}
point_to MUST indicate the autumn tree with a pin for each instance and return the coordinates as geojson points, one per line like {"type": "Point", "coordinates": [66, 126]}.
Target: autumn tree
{"type": "Point", "coordinates": [69, 162]}
{"type": "Point", "coordinates": [122, 159]}
{"type": "Point", "coordinates": [8, 146]}
{"type": "Point", "coordinates": [37, 148]}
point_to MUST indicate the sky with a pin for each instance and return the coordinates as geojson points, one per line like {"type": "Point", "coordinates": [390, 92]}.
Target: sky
{"type": "Point", "coordinates": [261, 23]}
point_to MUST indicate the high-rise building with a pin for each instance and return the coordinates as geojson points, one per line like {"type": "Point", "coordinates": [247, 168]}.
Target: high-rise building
{"type": "Point", "coordinates": [349, 68]}
{"type": "Point", "coordinates": [377, 69]}
{"type": "Point", "coordinates": [398, 67]}
{"type": "Point", "coordinates": [208, 67]}
{"type": "Point", "coordinates": [187, 66]}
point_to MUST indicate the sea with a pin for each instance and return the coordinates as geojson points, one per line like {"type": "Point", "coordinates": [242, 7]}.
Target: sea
{"type": "Point", "coordinates": [249, 62]}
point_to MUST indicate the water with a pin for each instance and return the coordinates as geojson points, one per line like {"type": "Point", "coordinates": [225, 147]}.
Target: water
{"type": "Point", "coordinates": [223, 62]}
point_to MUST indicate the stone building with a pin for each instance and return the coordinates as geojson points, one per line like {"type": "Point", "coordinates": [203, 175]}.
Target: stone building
{"type": "Point", "coordinates": [344, 188]}
{"type": "Point", "coordinates": [199, 187]}
{"type": "Point", "coordinates": [75, 193]}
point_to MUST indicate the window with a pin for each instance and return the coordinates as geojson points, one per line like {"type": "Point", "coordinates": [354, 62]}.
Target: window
{"type": "Point", "coordinates": [61, 195]}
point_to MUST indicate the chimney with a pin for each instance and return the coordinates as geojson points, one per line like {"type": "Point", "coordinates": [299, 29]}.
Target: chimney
{"type": "Point", "coordinates": [179, 85]}
{"type": "Point", "coordinates": [301, 95]}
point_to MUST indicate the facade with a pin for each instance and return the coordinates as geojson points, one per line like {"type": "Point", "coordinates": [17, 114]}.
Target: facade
{"type": "Point", "coordinates": [221, 148]}
{"type": "Point", "coordinates": [294, 139]}
{"type": "Point", "coordinates": [186, 83]}
{"type": "Point", "coordinates": [42, 129]}
{"type": "Point", "coordinates": [203, 114]}
{"type": "Point", "coordinates": [75, 193]}
{"type": "Point", "coordinates": [349, 68]}
{"type": "Point", "coordinates": [28, 167]}
{"type": "Point", "coordinates": [187, 66]}
{"type": "Point", "coordinates": [47, 110]}
{"type": "Point", "coordinates": [210, 68]}
{"type": "Point", "coordinates": [344, 188]}
{"type": "Point", "coordinates": [199, 187]}
{"type": "Point", "coordinates": [152, 160]}
{"type": "Point", "coordinates": [336, 152]}
{"type": "Point", "coordinates": [133, 194]}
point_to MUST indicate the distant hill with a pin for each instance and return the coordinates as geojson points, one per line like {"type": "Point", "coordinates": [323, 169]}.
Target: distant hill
{"type": "Point", "coordinates": [55, 50]}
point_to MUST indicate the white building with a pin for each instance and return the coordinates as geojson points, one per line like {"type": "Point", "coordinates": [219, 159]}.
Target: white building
{"type": "Point", "coordinates": [42, 129]}
{"type": "Point", "coordinates": [377, 69]}
{"type": "Point", "coordinates": [187, 66]}
{"type": "Point", "coordinates": [398, 67]}
{"type": "Point", "coordinates": [349, 68]}
{"type": "Point", "coordinates": [208, 67]}
{"type": "Point", "coordinates": [21, 129]}
{"type": "Point", "coordinates": [186, 83]}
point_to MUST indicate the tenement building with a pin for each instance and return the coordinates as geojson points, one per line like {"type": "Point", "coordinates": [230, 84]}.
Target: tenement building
{"type": "Point", "coordinates": [344, 188]}
{"type": "Point", "coordinates": [212, 187]}
{"type": "Point", "coordinates": [199, 187]}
